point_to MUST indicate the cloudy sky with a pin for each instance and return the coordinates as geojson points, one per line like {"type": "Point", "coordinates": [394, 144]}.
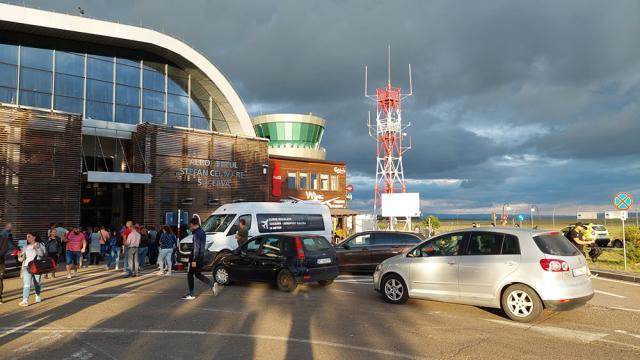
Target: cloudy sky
{"type": "Point", "coordinates": [525, 102]}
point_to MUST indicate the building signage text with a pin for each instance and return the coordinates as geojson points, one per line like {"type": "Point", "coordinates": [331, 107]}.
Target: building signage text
{"type": "Point", "coordinates": [212, 173]}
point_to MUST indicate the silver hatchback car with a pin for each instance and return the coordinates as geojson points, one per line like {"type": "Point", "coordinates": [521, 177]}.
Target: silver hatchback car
{"type": "Point", "coordinates": [520, 271]}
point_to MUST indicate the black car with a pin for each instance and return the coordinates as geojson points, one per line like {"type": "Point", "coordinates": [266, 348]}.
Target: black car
{"type": "Point", "coordinates": [286, 260]}
{"type": "Point", "coordinates": [362, 252]}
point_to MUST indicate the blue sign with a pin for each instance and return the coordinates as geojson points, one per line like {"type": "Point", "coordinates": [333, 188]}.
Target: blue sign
{"type": "Point", "coordinates": [623, 201]}
{"type": "Point", "coordinates": [520, 217]}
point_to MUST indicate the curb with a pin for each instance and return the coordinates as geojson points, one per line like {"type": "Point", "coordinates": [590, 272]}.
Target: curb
{"type": "Point", "coordinates": [630, 277]}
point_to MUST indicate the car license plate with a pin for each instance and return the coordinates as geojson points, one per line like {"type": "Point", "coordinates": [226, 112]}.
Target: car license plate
{"type": "Point", "coordinates": [184, 259]}
{"type": "Point", "coordinates": [324, 261]}
{"type": "Point", "coordinates": [580, 271]}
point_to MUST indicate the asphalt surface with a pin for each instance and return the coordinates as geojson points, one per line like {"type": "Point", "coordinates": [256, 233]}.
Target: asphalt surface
{"type": "Point", "coordinates": [101, 315]}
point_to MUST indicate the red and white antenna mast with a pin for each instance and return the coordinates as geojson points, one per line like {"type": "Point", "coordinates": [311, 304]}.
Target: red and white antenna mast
{"type": "Point", "coordinates": [389, 132]}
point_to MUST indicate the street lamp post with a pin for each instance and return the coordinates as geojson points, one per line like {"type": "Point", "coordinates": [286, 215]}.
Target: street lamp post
{"type": "Point", "coordinates": [534, 209]}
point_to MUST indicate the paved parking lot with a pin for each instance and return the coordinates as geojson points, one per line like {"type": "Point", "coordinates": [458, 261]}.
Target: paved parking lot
{"type": "Point", "coordinates": [100, 315]}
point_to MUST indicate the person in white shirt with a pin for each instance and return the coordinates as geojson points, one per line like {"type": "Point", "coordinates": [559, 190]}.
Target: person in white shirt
{"type": "Point", "coordinates": [132, 243]}
{"type": "Point", "coordinates": [33, 249]}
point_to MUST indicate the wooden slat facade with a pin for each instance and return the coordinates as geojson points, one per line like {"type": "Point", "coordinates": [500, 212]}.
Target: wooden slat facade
{"type": "Point", "coordinates": [40, 167]}
{"type": "Point", "coordinates": [167, 150]}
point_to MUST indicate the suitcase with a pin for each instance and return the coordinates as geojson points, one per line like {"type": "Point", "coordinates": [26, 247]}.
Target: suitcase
{"type": "Point", "coordinates": [42, 266]}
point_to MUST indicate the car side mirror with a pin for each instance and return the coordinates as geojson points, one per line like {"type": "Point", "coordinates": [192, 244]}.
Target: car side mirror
{"type": "Point", "coordinates": [346, 246]}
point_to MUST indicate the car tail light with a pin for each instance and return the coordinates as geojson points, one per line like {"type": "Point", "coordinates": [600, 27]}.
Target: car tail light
{"type": "Point", "coordinates": [554, 265]}
{"type": "Point", "coordinates": [15, 252]}
{"type": "Point", "coordinates": [299, 249]}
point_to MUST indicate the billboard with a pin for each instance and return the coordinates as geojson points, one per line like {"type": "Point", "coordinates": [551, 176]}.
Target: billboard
{"type": "Point", "coordinates": [401, 205]}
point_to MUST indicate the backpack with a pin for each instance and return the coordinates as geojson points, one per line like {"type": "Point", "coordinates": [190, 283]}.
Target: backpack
{"type": "Point", "coordinates": [52, 247]}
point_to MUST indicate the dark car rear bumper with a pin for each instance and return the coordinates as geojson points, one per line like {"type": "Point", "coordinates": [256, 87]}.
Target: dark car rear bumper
{"type": "Point", "coordinates": [569, 304]}
{"type": "Point", "coordinates": [317, 274]}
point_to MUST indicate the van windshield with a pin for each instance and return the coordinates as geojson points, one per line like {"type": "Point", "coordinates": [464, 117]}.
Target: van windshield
{"type": "Point", "coordinates": [217, 223]}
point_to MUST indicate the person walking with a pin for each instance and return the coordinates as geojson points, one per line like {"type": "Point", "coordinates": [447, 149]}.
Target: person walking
{"type": "Point", "coordinates": [8, 231]}
{"type": "Point", "coordinates": [143, 249]}
{"type": "Point", "coordinates": [94, 247]}
{"type": "Point", "coordinates": [4, 247]}
{"type": "Point", "coordinates": [153, 245]}
{"type": "Point", "coordinates": [132, 243]}
{"type": "Point", "coordinates": [196, 261]}
{"type": "Point", "coordinates": [168, 242]}
{"type": "Point", "coordinates": [104, 240]}
{"type": "Point", "coordinates": [125, 250]}
{"type": "Point", "coordinates": [242, 235]}
{"type": "Point", "coordinates": [576, 236]}
{"type": "Point", "coordinates": [115, 249]}
{"type": "Point", "coordinates": [53, 247]}
{"type": "Point", "coordinates": [33, 249]}
{"type": "Point", "coordinates": [75, 242]}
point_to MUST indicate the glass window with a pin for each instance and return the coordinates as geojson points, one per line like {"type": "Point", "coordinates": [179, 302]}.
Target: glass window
{"type": "Point", "coordinates": [177, 104]}
{"type": "Point", "coordinates": [484, 243]}
{"type": "Point", "coordinates": [217, 223]}
{"type": "Point", "coordinates": [130, 62]}
{"type": "Point", "coordinates": [178, 120]}
{"type": "Point", "coordinates": [127, 95]}
{"type": "Point", "coordinates": [314, 181]}
{"type": "Point", "coordinates": [178, 81]}
{"type": "Point", "coordinates": [510, 245]}
{"type": "Point", "coordinates": [198, 122]}
{"type": "Point", "coordinates": [9, 54]}
{"type": "Point", "coordinates": [324, 182]}
{"type": "Point", "coordinates": [35, 99]}
{"type": "Point", "coordinates": [99, 110]}
{"type": "Point", "coordinates": [153, 79]}
{"type": "Point", "coordinates": [251, 247]}
{"type": "Point", "coordinates": [127, 114]}
{"type": "Point", "coordinates": [128, 75]}
{"type": "Point", "coordinates": [271, 247]}
{"type": "Point", "coordinates": [69, 85]}
{"type": "Point", "coordinates": [69, 63]}
{"type": "Point", "coordinates": [153, 100]}
{"type": "Point", "coordinates": [35, 80]}
{"type": "Point", "coordinates": [445, 245]}
{"type": "Point", "coordinates": [304, 178]}
{"type": "Point", "coordinates": [220, 126]}
{"type": "Point", "coordinates": [100, 68]}
{"type": "Point", "coordinates": [234, 229]}
{"type": "Point", "coordinates": [552, 244]}
{"type": "Point", "coordinates": [99, 90]}
{"type": "Point", "coordinates": [152, 116]}
{"type": "Point", "coordinates": [316, 243]}
{"type": "Point", "coordinates": [68, 104]}
{"type": "Point", "coordinates": [8, 95]}
{"type": "Point", "coordinates": [292, 180]}
{"type": "Point", "coordinates": [389, 238]}
{"type": "Point", "coordinates": [360, 240]}
{"type": "Point", "coordinates": [36, 58]}
{"type": "Point", "coordinates": [334, 182]}
{"type": "Point", "coordinates": [8, 75]}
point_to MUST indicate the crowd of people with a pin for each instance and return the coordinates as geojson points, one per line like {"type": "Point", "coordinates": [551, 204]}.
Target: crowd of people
{"type": "Point", "coordinates": [137, 245]}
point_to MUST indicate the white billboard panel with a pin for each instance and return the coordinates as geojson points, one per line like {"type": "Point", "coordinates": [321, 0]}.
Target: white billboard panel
{"type": "Point", "coordinates": [587, 215]}
{"type": "Point", "coordinates": [401, 205]}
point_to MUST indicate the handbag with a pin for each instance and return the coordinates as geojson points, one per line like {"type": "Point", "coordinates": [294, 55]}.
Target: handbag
{"type": "Point", "coordinates": [43, 265]}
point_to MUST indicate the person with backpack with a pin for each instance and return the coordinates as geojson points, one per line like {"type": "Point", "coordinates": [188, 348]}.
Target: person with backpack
{"type": "Point", "coordinates": [4, 247]}
{"type": "Point", "coordinates": [168, 242]}
{"type": "Point", "coordinates": [29, 253]}
{"type": "Point", "coordinates": [115, 249]}
{"type": "Point", "coordinates": [576, 236]}
{"type": "Point", "coordinates": [53, 247]}
{"type": "Point", "coordinates": [153, 245]}
{"type": "Point", "coordinates": [143, 249]}
{"type": "Point", "coordinates": [95, 246]}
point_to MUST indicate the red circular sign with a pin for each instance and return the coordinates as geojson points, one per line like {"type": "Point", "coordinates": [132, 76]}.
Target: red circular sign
{"type": "Point", "coordinates": [349, 188]}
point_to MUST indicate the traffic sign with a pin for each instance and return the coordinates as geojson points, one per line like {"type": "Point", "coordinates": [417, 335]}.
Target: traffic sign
{"type": "Point", "coordinates": [622, 201]}
{"type": "Point", "coordinates": [520, 217]}
{"type": "Point", "coordinates": [622, 215]}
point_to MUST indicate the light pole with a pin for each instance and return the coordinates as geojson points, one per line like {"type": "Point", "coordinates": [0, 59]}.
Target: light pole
{"type": "Point", "coordinates": [534, 209]}
{"type": "Point", "coordinates": [553, 217]}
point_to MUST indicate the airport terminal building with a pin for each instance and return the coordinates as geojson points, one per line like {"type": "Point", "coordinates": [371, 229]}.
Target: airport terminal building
{"type": "Point", "coordinates": [102, 122]}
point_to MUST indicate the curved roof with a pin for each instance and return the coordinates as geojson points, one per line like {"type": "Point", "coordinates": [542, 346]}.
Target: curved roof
{"type": "Point", "coordinates": [34, 21]}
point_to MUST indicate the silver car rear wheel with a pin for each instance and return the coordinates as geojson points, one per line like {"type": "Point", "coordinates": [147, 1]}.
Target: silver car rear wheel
{"type": "Point", "coordinates": [394, 289]}
{"type": "Point", "coordinates": [521, 303]}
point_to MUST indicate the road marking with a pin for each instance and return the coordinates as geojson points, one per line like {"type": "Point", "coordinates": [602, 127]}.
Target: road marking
{"type": "Point", "coordinates": [628, 333]}
{"type": "Point", "coordinates": [610, 294]}
{"type": "Point", "coordinates": [24, 326]}
{"type": "Point", "coordinates": [625, 309]}
{"type": "Point", "coordinates": [100, 295]}
{"type": "Point", "coordinates": [221, 310]}
{"type": "Point", "coordinates": [342, 291]}
{"type": "Point", "coordinates": [84, 352]}
{"type": "Point", "coordinates": [617, 281]}
{"type": "Point", "coordinates": [569, 334]}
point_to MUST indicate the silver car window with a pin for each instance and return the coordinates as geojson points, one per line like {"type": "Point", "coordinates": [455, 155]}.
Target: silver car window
{"type": "Point", "coordinates": [484, 243]}
{"type": "Point", "coordinates": [445, 245]}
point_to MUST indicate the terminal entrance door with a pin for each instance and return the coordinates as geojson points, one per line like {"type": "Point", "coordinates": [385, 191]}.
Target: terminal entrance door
{"type": "Point", "coordinates": [105, 204]}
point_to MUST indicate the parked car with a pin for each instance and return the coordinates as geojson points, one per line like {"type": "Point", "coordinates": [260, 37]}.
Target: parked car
{"type": "Point", "coordinates": [284, 259]}
{"type": "Point", "coordinates": [11, 262]}
{"type": "Point", "coordinates": [261, 218]}
{"type": "Point", "coordinates": [362, 252]}
{"type": "Point", "coordinates": [596, 232]}
{"type": "Point", "coordinates": [521, 271]}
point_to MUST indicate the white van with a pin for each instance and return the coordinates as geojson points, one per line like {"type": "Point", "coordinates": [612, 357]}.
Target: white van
{"type": "Point", "coordinates": [261, 218]}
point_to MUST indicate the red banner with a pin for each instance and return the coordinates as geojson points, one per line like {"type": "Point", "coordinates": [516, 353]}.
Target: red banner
{"type": "Point", "coordinates": [276, 180]}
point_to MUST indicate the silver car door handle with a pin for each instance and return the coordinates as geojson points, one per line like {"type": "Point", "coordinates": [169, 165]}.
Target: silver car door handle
{"type": "Point", "coordinates": [451, 262]}
{"type": "Point", "coordinates": [511, 263]}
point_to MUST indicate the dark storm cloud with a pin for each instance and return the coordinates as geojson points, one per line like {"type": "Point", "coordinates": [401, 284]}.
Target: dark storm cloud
{"type": "Point", "coordinates": [504, 91]}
